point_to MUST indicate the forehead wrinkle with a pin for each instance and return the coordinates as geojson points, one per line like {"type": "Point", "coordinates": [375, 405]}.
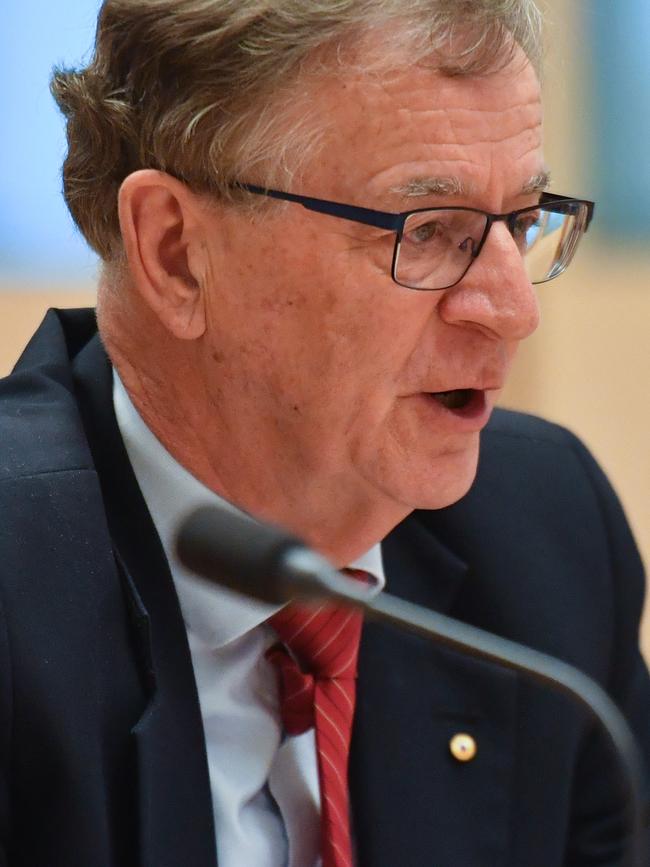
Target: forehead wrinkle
{"type": "Point", "coordinates": [496, 127]}
{"type": "Point", "coordinates": [452, 122]}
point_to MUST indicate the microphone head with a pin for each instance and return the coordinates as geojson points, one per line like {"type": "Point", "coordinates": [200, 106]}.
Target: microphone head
{"type": "Point", "coordinates": [231, 549]}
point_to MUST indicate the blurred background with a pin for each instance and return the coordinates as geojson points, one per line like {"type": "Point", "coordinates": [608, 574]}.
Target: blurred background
{"type": "Point", "coordinates": [587, 367]}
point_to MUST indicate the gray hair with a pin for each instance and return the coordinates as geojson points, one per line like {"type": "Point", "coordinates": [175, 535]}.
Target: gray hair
{"type": "Point", "coordinates": [207, 89]}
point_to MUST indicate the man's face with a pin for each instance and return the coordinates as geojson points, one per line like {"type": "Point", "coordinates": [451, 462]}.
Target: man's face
{"type": "Point", "coordinates": [319, 367]}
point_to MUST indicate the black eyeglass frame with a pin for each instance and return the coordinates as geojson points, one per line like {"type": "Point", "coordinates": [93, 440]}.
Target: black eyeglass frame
{"type": "Point", "coordinates": [395, 222]}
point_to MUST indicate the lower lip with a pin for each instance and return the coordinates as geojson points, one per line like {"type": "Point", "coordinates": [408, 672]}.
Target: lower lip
{"type": "Point", "coordinates": [471, 417]}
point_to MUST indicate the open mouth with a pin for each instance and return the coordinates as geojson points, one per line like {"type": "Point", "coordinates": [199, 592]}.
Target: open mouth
{"type": "Point", "coordinates": [457, 399]}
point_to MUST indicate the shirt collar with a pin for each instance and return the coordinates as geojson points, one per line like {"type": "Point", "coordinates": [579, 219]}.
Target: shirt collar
{"type": "Point", "coordinates": [214, 614]}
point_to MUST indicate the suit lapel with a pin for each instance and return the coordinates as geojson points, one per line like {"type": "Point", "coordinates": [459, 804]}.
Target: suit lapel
{"type": "Point", "coordinates": [176, 820]}
{"type": "Point", "coordinates": [413, 803]}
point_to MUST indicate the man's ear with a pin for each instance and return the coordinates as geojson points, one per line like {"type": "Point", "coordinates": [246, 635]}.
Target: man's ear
{"type": "Point", "coordinates": [162, 231]}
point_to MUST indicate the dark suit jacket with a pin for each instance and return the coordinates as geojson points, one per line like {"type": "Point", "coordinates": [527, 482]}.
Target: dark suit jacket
{"type": "Point", "coordinates": [101, 744]}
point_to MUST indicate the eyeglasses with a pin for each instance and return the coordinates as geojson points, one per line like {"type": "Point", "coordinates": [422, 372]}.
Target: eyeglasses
{"type": "Point", "coordinates": [435, 247]}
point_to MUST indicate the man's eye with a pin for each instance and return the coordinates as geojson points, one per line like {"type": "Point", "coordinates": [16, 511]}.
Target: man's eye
{"type": "Point", "coordinates": [425, 232]}
{"type": "Point", "coordinates": [525, 223]}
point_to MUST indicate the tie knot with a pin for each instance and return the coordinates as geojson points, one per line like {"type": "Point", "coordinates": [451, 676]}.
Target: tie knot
{"type": "Point", "coordinates": [295, 690]}
{"type": "Point", "coordinates": [323, 639]}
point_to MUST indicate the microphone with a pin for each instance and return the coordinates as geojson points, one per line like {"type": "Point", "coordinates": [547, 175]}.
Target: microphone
{"type": "Point", "coordinates": [267, 563]}
{"type": "Point", "coordinates": [259, 560]}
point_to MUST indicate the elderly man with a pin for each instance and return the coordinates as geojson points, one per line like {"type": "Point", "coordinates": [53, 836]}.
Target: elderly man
{"type": "Point", "coordinates": [320, 224]}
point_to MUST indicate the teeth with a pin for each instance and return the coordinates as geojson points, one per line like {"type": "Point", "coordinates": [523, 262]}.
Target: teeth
{"type": "Point", "coordinates": [456, 399]}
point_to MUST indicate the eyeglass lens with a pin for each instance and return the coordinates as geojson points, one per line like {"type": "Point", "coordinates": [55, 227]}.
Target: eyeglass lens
{"type": "Point", "coordinates": [437, 247]}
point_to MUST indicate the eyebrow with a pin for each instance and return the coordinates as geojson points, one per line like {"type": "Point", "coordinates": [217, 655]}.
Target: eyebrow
{"type": "Point", "coordinates": [538, 183]}
{"type": "Point", "coordinates": [430, 186]}
{"type": "Point", "coordinates": [453, 186]}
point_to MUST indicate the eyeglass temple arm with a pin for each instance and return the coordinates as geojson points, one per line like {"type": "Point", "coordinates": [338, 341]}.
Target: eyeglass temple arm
{"type": "Point", "coordinates": [368, 216]}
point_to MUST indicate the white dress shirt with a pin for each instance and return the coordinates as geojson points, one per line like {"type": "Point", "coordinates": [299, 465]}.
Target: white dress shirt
{"type": "Point", "coordinates": [265, 791]}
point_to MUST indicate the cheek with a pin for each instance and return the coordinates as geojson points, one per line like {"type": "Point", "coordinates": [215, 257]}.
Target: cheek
{"type": "Point", "coordinates": [315, 327]}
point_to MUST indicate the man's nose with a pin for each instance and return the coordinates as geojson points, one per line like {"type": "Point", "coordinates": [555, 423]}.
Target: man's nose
{"type": "Point", "coordinates": [495, 295]}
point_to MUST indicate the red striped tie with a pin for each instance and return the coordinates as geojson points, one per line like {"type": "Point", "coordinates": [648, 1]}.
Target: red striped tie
{"type": "Point", "coordinates": [325, 641]}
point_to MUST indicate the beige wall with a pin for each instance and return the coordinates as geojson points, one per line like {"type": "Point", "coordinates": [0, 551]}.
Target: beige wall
{"type": "Point", "coordinates": [22, 309]}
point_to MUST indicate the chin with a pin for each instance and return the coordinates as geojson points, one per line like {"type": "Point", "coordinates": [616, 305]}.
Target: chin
{"type": "Point", "coordinates": [432, 482]}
